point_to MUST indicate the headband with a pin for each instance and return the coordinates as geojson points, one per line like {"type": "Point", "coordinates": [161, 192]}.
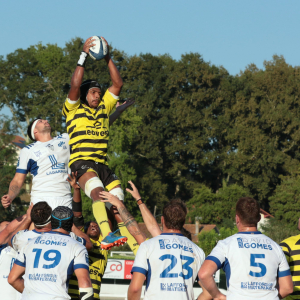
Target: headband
{"type": "Point", "coordinates": [33, 127]}
{"type": "Point", "coordinates": [42, 224]}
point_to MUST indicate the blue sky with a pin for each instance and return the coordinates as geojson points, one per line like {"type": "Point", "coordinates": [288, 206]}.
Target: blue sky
{"type": "Point", "coordinates": [230, 33]}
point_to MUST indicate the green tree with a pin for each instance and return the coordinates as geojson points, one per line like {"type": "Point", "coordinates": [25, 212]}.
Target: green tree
{"type": "Point", "coordinates": [8, 161]}
{"type": "Point", "coordinates": [208, 240]}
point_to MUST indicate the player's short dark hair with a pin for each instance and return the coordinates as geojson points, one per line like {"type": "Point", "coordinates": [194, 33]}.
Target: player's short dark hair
{"type": "Point", "coordinates": [29, 130]}
{"type": "Point", "coordinates": [84, 88]}
{"type": "Point", "coordinates": [62, 217]}
{"type": "Point", "coordinates": [41, 214]}
{"type": "Point", "coordinates": [248, 211]}
{"type": "Point", "coordinates": [174, 213]}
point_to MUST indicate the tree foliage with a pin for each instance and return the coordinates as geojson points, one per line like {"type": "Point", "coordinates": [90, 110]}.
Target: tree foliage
{"type": "Point", "coordinates": [193, 126]}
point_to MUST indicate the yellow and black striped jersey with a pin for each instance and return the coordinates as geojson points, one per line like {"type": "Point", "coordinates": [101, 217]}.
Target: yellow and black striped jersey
{"type": "Point", "coordinates": [291, 249]}
{"type": "Point", "coordinates": [97, 265]}
{"type": "Point", "coordinates": [88, 128]}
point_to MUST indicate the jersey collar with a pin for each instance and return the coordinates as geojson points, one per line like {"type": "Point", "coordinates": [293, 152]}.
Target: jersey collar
{"type": "Point", "coordinates": [249, 232]}
{"type": "Point", "coordinates": [180, 234]}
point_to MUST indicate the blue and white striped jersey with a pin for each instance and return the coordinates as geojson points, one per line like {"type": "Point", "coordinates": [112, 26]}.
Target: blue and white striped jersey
{"type": "Point", "coordinates": [48, 164]}
{"type": "Point", "coordinates": [171, 263]}
{"type": "Point", "coordinates": [252, 263]}
{"type": "Point", "coordinates": [49, 260]}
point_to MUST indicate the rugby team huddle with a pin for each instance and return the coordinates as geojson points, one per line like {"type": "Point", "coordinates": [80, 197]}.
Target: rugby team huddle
{"type": "Point", "coordinates": [51, 253]}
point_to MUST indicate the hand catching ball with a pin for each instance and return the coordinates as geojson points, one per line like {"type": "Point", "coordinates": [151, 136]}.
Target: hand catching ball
{"type": "Point", "coordinates": [100, 49]}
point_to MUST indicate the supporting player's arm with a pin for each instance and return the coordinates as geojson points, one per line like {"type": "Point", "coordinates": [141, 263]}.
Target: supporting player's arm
{"type": "Point", "coordinates": [77, 77]}
{"type": "Point", "coordinates": [84, 284]}
{"type": "Point", "coordinates": [78, 221]}
{"type": "Point", "coordinates": [24, 224]}
{"type": "Point", "coordinates": [15, 277]}
{"type": "Point", "coordinates": [15, 226]}
{"type": "Point", "coordinates": [120, 108]}
{"type": "Point", "coordinates": [285, 286]}
{"type": "Point", "coordinates": [136, 285]}
{"type": "Point", "coordinates": [127, 218]}
{"type": "Point", "coordinates": [148, 218]}
{"type": "Point", "coordinates": [14, 189]}
{"type": "Point", "coordinates": [206, 279]}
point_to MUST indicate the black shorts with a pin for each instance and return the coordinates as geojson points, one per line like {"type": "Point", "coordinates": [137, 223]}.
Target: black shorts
{"type": "Point", "coordinates": [105, 174]}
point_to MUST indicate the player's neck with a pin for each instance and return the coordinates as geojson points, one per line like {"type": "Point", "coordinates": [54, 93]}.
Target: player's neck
{"type": "Point", "coordinates": [45, 229]}
{"type": "Point", "coordinates": [245, 228]}
{"type": "Point", "coordinates": [167, 230]}
{"type": "Point", "coordinates": [45, 137]}
{"type": "Point", "coordinates": [61, 231]}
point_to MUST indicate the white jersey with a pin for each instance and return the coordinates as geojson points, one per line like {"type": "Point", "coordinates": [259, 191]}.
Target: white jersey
{"type": "Point", "coordinates": [171, 263]}
{"type": "Point", "coordinates": [252, 262]}
{"type": "Point", "coordinates": [7, 259]}
{"type": "Point", "coordinates": [20, 239]}
{"type": "Point", "coordinates": [49, 262]}
{"type": "Point", "coordinates": [48, 164]}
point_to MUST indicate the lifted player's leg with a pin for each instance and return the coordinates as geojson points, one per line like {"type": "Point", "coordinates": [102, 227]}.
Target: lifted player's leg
{"type": "Point", "coordinates": [92, 186]}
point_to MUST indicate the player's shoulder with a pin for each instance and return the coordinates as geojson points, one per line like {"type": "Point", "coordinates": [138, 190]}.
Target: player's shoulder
{"type": "Point", "coordinates": [291, 241]}
{"type": "Point", "coordinates": [10, 251]}
{"type": "Point", "coordinates": [63, 136]}
{"type": "Point", "coordinates": [28, 149]}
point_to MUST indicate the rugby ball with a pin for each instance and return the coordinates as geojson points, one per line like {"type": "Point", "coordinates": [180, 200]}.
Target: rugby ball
{"type": "Point", "coordinates": [100, 49]}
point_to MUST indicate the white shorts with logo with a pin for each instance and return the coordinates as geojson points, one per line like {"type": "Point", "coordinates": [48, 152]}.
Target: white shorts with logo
{"type": "Point", "coordinates": [54, 201]}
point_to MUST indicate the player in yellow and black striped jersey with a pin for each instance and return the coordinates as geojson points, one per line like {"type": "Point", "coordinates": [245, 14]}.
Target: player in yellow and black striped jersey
{"type": "Point", "coordinates": [87, 120]}
{"type": "Point", "coordinates": [291, 249]}
{"type": "Point", "coordinates": [97, 262]}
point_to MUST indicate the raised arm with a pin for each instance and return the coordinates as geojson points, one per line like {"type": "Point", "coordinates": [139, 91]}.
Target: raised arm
{"type": "Point", "coordinates": [148, 218]}
{"type": "Point", "coordinates": [14, 189]}
{"type": "Point", "coordinates": [115, 76]}
{"type": "Point", "coordinates": [127, 218]}
{"type": "Point", "coordinates": [24, 224]}
{"type": "Point", "coordinates": [77, 77]}
{"type": "Point", "coordinates": [119, 109]}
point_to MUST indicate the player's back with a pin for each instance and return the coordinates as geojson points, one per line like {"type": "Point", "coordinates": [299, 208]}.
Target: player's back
{"type": "Point", "coordinates": [49, 262]}
{"type": "Point", "coordinates": [171, 263]}
{"type": "Point", "coordinates": [7, 258]}
{"type": "Point", "coordinates": [252, 263]}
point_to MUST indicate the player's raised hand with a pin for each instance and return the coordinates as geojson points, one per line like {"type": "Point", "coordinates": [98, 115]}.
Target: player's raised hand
{"type": "Point", "coordinates": [72, 180]}
{"type": "Point", "coordinates": [134, 192]}
{"type": "Point", "coordinates": [125, 105]}
{"type": "Point", "coordinates": [107, 55]}
{"type": "Point", "coordinates": [6, 201]}
{"type": "Point", "coordinates": [108, 197]}
{"type": "Point", "coordinates": [88, 44]}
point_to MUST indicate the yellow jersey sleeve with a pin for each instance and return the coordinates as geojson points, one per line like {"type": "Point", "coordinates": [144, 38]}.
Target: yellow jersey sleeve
{"type": "Point", "coordinates": [286, 250]}
{"type": "Point", "coordinates": [70, 106]}
{"type": "Point", "coordinates": [110, 101]}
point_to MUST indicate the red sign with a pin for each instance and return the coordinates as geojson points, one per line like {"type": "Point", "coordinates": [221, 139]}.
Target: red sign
{"type": "Point", "coordinates": [118, 269]}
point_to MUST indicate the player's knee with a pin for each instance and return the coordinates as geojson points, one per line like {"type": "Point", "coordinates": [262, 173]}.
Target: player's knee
{"type": "Point", "coordinates": [118, 192]}
{"type": "Point", "coordinates": [92, 187]}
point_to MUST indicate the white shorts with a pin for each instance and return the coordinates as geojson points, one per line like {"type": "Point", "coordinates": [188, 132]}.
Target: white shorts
{"type": "Point", "coordinates": [53, 201]}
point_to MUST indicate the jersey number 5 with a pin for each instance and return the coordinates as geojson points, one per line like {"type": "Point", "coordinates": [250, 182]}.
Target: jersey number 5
{"type": "Point", "coordinates": [185, 266]}
{"type": "Point", "coordinates": [55, 260]}
{"type": "Point", "coordinates": [253, 263]}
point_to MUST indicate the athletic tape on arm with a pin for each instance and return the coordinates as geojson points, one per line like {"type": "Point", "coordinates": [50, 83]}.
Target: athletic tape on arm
{"type": "Point", "coordinates": [86, 293]}
{"type": "Point", "coordinates": [92, 184]}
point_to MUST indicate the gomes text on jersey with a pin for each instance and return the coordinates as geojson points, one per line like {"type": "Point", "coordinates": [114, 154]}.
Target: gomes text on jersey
{"type": "Point", "coordinates": [174, 243]}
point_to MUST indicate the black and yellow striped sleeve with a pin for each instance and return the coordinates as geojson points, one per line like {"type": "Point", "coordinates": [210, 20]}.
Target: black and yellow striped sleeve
{"type": "Point", "coordinates": [69, 106]}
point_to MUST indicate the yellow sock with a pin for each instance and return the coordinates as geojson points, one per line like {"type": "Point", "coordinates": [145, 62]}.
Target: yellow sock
{"type": "Point", "coordinates": [133, 244]}
{"type": "Point", "coordinates": [100, 215]}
